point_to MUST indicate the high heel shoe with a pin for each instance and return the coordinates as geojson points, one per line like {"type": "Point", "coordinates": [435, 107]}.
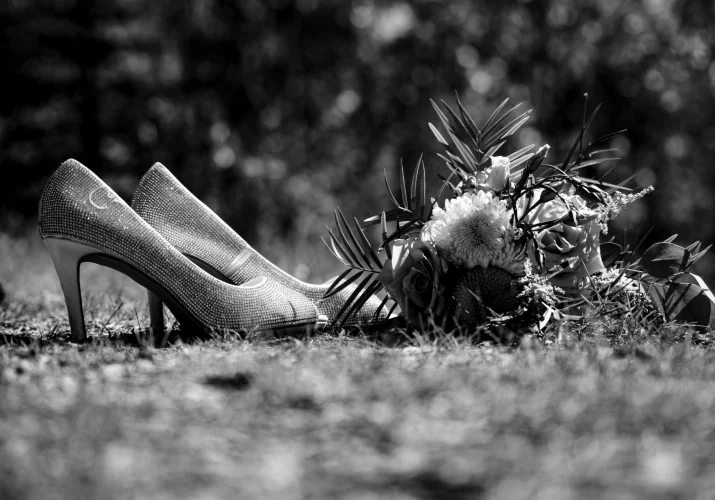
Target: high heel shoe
{"type": "Point", "coordinates": [82, 220]}
{"type": "Point", "coordinates": [196, 231]}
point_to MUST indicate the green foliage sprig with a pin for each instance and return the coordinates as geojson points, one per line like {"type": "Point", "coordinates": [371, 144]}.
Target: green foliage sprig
{"type": "Point", "coordinates": [466, 155]}
{"type": "Point", "coordinates": [659, 284]}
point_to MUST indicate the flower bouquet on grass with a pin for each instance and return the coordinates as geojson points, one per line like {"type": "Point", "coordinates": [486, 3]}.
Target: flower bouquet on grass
{"type": "Point", "coordinates": [516, 244]}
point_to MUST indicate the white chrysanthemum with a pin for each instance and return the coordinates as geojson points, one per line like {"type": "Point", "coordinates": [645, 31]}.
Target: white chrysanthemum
{"type": "Point", "coordinates": [474, 230]}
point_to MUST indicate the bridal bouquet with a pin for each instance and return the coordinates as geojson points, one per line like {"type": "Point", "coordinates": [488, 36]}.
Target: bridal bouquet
{"type": "Point", "coordinates": [517, 242]}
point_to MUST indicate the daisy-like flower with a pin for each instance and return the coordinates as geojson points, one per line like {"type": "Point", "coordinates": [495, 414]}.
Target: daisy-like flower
{"type": "Point", "coordinates": [474, 230]}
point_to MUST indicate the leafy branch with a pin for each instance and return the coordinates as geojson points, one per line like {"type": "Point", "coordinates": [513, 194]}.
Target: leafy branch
{"type": "Point", "coordinates": [677, 293]}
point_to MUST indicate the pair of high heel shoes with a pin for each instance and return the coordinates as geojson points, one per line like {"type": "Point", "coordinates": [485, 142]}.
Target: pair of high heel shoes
{"type": "Point", "coordinates": [182, 252]}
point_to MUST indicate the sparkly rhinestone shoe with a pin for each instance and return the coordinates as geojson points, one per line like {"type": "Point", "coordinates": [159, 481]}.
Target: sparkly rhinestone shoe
{"type": "Point", "coordinates": [200, 234]}
{"type": "Point", "coordinates": [82, 220]}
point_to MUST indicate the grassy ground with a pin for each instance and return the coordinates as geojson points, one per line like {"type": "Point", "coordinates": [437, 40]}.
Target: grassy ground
{"type": "Point", "coordinates": [603, 414]}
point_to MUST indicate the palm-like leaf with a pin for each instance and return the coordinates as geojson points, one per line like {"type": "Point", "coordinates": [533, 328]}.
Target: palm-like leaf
{"type": "Point", "coordinates": [353, 248]}
{"type": "Point", "coordinates": [468, 148]}
{"type": "Point", "coordinates": [414, 208]}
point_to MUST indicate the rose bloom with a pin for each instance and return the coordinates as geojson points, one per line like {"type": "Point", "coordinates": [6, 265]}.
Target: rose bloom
{"type": "Point", "coordinates": [412, 279]}
{"type": "Point", "coordinates": [578, 246]}
{"type": "Point", "coordinates": [498, 177]}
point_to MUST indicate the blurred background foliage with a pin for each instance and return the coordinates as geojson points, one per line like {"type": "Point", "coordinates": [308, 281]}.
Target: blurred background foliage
{"type": "Point", "coordinates": [275, 111]}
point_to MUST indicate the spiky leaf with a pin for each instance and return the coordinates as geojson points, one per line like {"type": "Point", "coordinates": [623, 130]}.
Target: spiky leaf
{"type": "Point", "coordinates": [663, 259]}
{"type": "Point", "coordinates": [689, 300]}
{"type": "Point", "coordinates": [610, 253]}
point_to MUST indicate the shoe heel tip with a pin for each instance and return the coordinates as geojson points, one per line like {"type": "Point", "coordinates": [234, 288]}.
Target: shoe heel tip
{"type": "Point", "coordinates": [321, 322]}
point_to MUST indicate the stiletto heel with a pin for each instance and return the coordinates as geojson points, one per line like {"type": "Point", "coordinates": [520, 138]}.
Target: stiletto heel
{"type": "Point", "coordinates": [156, 313]}
{"type": "Point", "coordinates": [82, 220]}
{"type": "Point", "coordinates": [156, 306]}
{"type": "Point", "coordinates": [67, 256]}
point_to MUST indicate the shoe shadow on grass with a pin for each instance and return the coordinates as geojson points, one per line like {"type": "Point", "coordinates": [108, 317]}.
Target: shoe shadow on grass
{"type": "Point", "coordinates": [18, 339]}
{"type": "Point", "coordinates": [237, 382]}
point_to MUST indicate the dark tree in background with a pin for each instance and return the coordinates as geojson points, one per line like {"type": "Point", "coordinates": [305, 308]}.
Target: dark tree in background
{"type": "Point", "coordinates": [275, 111]}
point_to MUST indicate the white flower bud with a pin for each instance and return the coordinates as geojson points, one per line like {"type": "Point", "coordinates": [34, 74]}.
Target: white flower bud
{"type": "Point", "coordinates": [499, 176]}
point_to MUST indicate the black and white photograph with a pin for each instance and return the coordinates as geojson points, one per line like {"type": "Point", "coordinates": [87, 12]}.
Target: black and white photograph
{"type": "Point", "coordinates": [357, 249]}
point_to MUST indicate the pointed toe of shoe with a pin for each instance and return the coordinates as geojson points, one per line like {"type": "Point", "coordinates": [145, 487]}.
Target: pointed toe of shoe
{"type": "Point", "coordinates": [288, 312]}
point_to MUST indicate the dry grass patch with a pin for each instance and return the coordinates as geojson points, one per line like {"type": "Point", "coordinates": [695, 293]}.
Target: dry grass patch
{"type": "Point", "coordinates": [608, 412]}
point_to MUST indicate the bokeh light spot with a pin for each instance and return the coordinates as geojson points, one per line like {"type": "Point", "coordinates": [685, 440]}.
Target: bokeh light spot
{"type": "Point", "coordinates": [671, 101]}
{"type": "Point", "coordinates": [654, 80]}
{"type": "Point", "coordinates": [362, 16]}
{"type": "Point", "coordinates": [467, 56]}
{"type": "Point", "coordinates": [220, 132]}
{"type": "Point", "coordinates": [348, 101]}
{"type": "Point", "coordinates": [676, 146]}
{"type": "Point", "coordinates": [271, 117]}
{"type": "Point", "coordinates": [224, 157]}
{"type": "Point", "coordinates": [481, 81]}
{"type": "Point", "coordinates": [393, 22]}
{"type": "Point", "coordinates": [646, 177]}
{"type": "Point", "coordinates": [147, 133]}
